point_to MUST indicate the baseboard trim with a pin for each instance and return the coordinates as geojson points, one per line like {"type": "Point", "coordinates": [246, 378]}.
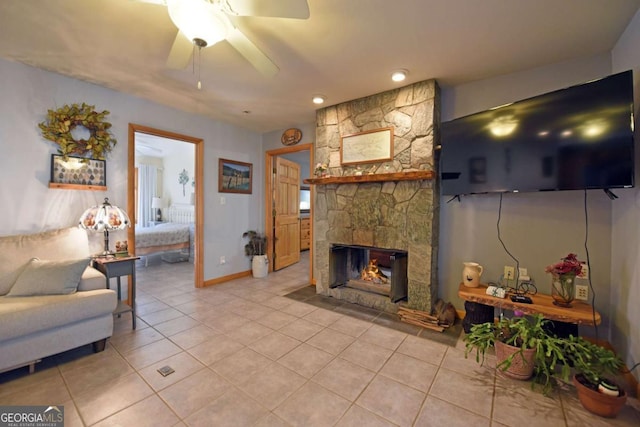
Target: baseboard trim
{"type": "Point", "coordinates": [228, 278]}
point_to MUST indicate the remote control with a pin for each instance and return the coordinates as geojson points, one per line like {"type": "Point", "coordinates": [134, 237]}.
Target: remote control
{"type": "Point", "coordinates": [522, 299]}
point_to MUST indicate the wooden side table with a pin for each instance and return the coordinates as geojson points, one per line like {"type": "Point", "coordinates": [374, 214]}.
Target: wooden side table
{"type": "Point", "coordinates": [580, 313]}
{"type": "Point", "coordinates": [117, 267]}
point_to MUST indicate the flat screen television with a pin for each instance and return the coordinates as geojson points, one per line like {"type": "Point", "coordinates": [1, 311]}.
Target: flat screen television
{"type": "Point", "coordinates": [576, 138]}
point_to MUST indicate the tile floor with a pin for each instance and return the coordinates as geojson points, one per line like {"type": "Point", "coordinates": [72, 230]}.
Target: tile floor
{"type": "Point", "coordinates": [245, 355]}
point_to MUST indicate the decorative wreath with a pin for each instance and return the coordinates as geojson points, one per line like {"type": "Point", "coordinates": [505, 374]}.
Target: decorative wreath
{"type": "Point", "coordinates": [61, 122]}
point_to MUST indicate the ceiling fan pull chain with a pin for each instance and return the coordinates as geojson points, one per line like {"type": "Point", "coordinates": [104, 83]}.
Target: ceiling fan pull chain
{"type": "Point", "coordinates": [199, 66]}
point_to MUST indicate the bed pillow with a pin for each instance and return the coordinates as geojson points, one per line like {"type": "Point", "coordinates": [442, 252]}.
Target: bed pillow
{"type": "Point", "coordinates": [42, 277]}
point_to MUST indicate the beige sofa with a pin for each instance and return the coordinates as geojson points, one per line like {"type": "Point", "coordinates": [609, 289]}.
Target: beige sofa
{"type": "Point", "coordinates": [41, 313]}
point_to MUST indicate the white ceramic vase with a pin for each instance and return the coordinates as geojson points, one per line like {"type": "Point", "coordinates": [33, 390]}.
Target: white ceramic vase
{"type": "Point", "coordinates": [260, 266]}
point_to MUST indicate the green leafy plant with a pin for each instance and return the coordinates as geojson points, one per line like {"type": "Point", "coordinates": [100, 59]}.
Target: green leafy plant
{"type": "Point", "coordinates": [592, 361]}
{"type": "Point", "coordinates": [517, 331]}
{"type": "Point", "coordinates": [523, 333]}
{"type": "Point", "coordinates": [257, 244]}
{"type": "Point", "coordinates": [555, 356]}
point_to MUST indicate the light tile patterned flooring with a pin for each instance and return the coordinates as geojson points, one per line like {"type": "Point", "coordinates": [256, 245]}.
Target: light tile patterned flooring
{"type": "Point", "coordinates": [244, 355]}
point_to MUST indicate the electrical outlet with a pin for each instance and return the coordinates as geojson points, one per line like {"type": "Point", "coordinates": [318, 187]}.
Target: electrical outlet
{"type": "Point", "coordinates": [584, 274]}
{"type": "Point", "coordinates": [223, 260]}
{"type": "Point", "coordinates": [509, 272]}
{"type": "Point", "coordinates": [523, 272]}
{"type": "Point", "coordinates": [582, 292]}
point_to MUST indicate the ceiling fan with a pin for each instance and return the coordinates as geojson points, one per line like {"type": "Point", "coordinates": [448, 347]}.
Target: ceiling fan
{"type": "Point", "coordinates": [203, 23]}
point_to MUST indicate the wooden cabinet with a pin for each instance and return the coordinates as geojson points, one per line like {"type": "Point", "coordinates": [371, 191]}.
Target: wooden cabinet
{"type": "Point", "coordinates": [305, 234]}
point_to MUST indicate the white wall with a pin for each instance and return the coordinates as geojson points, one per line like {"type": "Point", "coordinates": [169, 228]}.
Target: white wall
{"type": "Point", "coordinates": [174, 164]}
{"type": "Point", "coordinates": [625, 255]}
{"type": "Point", "coordinates": [537, 228]}
{"type": "Point", "coordinates": [30, 206]}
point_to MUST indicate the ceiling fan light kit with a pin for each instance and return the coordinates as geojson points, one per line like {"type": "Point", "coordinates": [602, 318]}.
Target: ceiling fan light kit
{"type": "Point", "coordinates": [199, 20]}
{"type": "Point", "coordinates": [203, 23]}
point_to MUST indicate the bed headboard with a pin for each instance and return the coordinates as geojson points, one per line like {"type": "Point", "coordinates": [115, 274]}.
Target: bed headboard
{"type": "Point", "coordinates": [180, 213]}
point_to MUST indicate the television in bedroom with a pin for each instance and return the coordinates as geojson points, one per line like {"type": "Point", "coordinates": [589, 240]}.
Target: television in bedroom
{"type": "Point", "coordinates": [576, 138]}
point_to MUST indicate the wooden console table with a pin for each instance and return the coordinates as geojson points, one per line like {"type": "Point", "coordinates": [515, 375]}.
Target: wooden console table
{"type": "Point", "coordinates": [580, 314]}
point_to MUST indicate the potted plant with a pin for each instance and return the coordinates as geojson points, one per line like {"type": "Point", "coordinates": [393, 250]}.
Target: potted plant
{"type": "Point", "coordinates": [519, 342]}
{"type": "Point", "coordinates": [594, 365]}
{"type": "Point", "coordinates": [256, 248]}
{"type": "Point", "coordinates": [549, 358]}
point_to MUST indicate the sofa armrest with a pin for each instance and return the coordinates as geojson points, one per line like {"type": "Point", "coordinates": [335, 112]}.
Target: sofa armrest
{"type": "Point", "coordinates": [91, 280]}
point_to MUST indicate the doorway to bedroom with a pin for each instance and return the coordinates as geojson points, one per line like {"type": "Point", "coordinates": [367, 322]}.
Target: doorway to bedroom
{"type": "Point", "coordinates": [165, 199]}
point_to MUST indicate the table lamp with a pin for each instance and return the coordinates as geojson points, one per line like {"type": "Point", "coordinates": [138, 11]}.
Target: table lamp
{"type": "Point", "coordinates": [104, 217]}
{"type": "Point", "coordinates": [157, 203]}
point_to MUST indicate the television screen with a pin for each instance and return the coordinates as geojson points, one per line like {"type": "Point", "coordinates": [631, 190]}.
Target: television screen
{"type": "Point", "coordinates": [575, 138]}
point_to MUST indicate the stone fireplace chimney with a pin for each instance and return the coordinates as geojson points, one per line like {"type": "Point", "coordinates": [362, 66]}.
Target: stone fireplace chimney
{"type": "Point", "coordinates": [398, 214]}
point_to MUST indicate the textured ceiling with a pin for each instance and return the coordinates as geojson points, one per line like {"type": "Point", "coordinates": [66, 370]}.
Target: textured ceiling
{"type": "Point", "coordinates": [345, 50]}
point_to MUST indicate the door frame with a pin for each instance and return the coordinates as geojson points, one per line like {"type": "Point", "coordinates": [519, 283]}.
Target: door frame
{"type": "Point", "coordinates": [268, 198]}
{"type": "Point", "coordinates": [199, 192]}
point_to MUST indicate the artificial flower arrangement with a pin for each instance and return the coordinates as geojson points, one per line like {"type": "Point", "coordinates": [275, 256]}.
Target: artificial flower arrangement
{"type": "Point", "coordinates": [564, 274]}
{"type": "Point", "coordinates": [321, 169]}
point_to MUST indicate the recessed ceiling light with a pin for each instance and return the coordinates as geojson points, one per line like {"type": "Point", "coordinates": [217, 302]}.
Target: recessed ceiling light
{"type": "Point", "coordinates": [399, 75]}
{"type": "Point", "coordinates": [318, 99]}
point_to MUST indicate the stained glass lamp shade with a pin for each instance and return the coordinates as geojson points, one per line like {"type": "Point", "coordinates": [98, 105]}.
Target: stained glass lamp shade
{"type": "Point", "coordinates": [105, 217]}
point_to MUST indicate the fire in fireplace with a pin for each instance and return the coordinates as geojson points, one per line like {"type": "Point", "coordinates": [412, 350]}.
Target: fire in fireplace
{"type": "Point", "coordinates": [376, 270]}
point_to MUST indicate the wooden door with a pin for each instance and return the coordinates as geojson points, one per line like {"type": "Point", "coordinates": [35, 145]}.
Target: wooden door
{"type": "Point", "coordinates": [286, 214]}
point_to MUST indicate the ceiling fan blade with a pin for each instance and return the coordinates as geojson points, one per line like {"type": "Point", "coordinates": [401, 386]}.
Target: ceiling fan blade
{"type": "Point", "coordinates": [250, 51]}
{"type": "Point", "coordinates": [294, 9]}
{"type": "Point", "coordinates": [180, 53]}
{"type": "Point", "coordinates": [162, 2]}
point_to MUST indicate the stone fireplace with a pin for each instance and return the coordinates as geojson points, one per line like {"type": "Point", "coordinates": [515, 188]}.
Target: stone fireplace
{"type": "Point", "coordinates": [397, 215]}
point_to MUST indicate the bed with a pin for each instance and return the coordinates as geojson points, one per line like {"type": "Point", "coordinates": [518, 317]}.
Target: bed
{"type": "Point", "coordinates": [175, 235]}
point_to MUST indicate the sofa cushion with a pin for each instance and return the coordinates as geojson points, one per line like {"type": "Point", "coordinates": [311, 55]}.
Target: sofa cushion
{"type": "Point", "coordinates": [91, 280]}
{"type": "Point", "coordinates": [56, 245]}
{"type": "Point", "coordinates": [21, 316]}
{"type": "Point", "coordinates": [42, 277]}
{"type": "Point", "coordinates": [8, 278]}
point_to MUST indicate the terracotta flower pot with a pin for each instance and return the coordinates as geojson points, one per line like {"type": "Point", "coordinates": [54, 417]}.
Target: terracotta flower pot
{"type": "Point", "coordinates": [520, 369]}
{"type": "Point", "coordinates": [599, 403]}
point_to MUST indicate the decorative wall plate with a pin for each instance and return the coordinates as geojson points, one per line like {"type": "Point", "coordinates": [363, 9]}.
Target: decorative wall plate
{"type": "Point", "coordinates": [291, 136]}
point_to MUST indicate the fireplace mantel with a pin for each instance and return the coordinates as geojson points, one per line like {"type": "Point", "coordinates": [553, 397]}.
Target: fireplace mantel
{"type": "Point", "coordinates": [381, 177]}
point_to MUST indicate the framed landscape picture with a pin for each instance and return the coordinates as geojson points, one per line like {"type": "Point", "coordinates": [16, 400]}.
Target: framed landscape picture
{"type": "Point", "coordinates": [234, 177]}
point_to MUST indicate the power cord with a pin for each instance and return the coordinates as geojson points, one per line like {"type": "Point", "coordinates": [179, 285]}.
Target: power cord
{"type": "Point", "coordinates": [586, 249]}
{"type": "Point", "coordinates": [517, 288]}
{"type": "Point", "coordinates": [628, 371]}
